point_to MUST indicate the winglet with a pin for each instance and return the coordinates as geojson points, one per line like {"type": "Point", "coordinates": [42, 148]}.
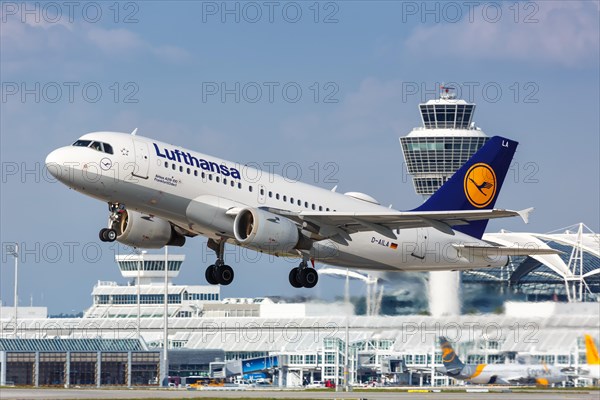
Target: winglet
{"type": "Point", "coordinates": [134, 132]}
{"type": "Point", "coordinates": [524, 214]}
{"type": "Point", "coordinates": [334, 188]}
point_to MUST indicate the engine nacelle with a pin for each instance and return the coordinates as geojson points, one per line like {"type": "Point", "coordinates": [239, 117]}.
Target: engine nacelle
{"type": "Point", "coordinates": [141, 230]}
{"type": "Point", "coordinates": [266, 231]}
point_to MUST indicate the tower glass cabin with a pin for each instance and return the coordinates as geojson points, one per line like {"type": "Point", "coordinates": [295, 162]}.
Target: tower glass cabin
{"type": "Point", "coordinates": [447, 139]}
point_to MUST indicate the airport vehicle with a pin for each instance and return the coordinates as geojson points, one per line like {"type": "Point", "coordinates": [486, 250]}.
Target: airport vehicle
{"type": "Point", "coordinates": [499, 374]}
{"type": "Point", "coordinates": [592, 367]}
{"type": "Point", "coordinates": [158, 194]}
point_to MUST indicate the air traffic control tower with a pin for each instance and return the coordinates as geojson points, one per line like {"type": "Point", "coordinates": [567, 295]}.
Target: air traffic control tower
{"type": "Point", "coordinates": [433, 152]}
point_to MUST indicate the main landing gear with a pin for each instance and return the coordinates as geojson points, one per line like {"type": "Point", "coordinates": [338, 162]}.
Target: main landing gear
{"type": "Point", "coordinates": [218, 273]}
{"type": "Point", "coordinates": [110, 234]}
{"type": "Point", "coordinates": [303, 276]}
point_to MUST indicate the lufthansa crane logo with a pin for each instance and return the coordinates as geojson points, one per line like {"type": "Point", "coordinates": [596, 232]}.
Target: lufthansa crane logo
{"type": "Point", "coordinates": [480, 185]}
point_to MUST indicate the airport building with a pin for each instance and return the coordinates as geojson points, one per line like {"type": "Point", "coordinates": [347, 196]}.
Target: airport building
{"type": "Point", "coordinates": [283, 343]}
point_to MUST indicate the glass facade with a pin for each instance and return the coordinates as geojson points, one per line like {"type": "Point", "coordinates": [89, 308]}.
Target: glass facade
{"type": "Point", "coordinates": [149, 265]}
{"type": "Point", "coordinates": [447, 116]}
{"type": "Point", "coordinates": [433, 159]}
{"type": "Point", "coordinates": [174, 298]}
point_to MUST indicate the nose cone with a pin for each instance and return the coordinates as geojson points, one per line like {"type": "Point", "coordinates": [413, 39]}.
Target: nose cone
{"type": "Point", "coordinates": [57, 164]}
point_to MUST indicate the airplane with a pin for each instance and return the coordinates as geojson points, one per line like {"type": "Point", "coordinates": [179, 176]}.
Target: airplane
{"type": "Point", "coordinates": [592, 367]}
{"type": "Point", "coordinates": [158, 194]}
{"type": "Point", "coordinates": [499, 374]}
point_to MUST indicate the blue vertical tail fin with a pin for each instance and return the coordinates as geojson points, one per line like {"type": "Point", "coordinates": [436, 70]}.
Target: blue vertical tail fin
{"type": "Point", "coordinates": [476, 185]}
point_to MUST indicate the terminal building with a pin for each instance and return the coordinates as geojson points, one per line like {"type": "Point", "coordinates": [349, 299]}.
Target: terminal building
{"type": "Point", "coordinates": [286, 344]}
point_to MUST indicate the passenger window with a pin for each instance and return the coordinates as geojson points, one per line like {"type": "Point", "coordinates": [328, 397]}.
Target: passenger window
{"type": "Point", "coordinates": [203, 175]}
{"type": "Point", "coordinates": [292, 200]}
{"type": "Point", "coordinates": [189, 171]}
{"type": "Point", "coordinates": [210, 177]}
{"type": "Point", "coordinates": [327, 209]}
{"type": "Point", "coordinates": [320, 208]}
{"type": "Point", "coordinates": [180, 168]}
{"type": "Point", "coordinates": [224, 181]}
{"type": "Point", "coordinates": [217, 179]}
{"type": "Point", "coordinates": [277, 196]}
{"type": "Point", "coordinates": [173, 166]}
{"type": "Point", "coordinates": [195, 172]}
{"type": "Point", "coordinates": [166, 164]}
{"type": "Point", "coordinates": [262, 191]}
{"type": "Point", "coordinates": [313, 206]}
{"type": "Point", "coordinates": [250, 188]}
{"type": "Point", "coordinates": [299, 202]}
{"type": "Point", "coordinates": [284, 197]}
{"type": "Point", "coordinates": [239, 185]}
{"type": "Point", "coordinates": [306, 204]}
{"type": "Point", "coordinates": [270, 194]}
{"type": "Point", "coordinates": [232, 183]}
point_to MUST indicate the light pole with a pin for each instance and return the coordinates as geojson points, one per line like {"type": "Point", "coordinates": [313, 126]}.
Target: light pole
{"type": "Point", "coordinates": [166, 321]}
{"type": "Point", "coordinates": [139, 308]}
{"type": "Point", "coordinates": [15, 254]}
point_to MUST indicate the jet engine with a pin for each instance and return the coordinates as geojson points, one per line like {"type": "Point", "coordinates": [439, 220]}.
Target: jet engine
{"type": "Point", "coordinates": [145, 231]}
{"type": "Point", "coordinates": [268, 232]}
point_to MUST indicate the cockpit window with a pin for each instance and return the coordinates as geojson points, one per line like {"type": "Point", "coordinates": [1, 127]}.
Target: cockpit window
{"type": "Point", "coordinates": [97, 146]}
{"type": "Point", "coordinates": [102, 147]}
{"type": "Point", "coordinates": [82, 143]}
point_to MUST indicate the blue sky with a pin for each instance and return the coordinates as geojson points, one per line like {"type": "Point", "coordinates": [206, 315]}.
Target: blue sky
{"type": "Point", "coordinates": [533, 67]}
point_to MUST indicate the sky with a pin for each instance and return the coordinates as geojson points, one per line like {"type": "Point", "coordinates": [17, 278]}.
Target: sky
{"type": "Point", "coordinates": [329, 86]}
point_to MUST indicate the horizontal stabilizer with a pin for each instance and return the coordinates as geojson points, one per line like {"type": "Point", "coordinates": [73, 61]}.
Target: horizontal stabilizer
{"type": "Point", "coordinates": [524, 214]}
{"type": "Point", "coordinates": [494, 251]}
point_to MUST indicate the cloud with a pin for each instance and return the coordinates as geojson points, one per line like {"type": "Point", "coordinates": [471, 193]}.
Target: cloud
{"type": "Point", "coordinates": [33, 46]}
{"type": "Point", "coordinates": [115, 41]}
{"type": "Point", "coordinates": [559, 33]}
{"type": "Point", "coordinates": [122, 41]}
{"type": "Point", "coordinates": [373, 110]}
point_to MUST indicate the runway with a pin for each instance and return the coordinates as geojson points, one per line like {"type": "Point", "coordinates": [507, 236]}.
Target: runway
{"type": "Point", "coordinates": [89, 394]}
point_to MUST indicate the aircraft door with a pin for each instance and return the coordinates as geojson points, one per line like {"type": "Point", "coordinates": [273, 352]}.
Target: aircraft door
{"type": "Point", "coordinates": [142, 159]}
{"type": "Point", "coordinates": [262, 194]}
{"type": "Point", "coordinates": [421, 246]}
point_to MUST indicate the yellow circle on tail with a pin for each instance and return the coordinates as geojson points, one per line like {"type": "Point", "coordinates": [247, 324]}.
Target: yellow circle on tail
{"type": "Point", "coordinates": [480, 185]}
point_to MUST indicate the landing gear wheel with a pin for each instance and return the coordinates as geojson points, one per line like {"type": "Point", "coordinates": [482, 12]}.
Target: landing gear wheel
{"type": "Point", "coordinates": [210, 275]}
{"type": "Point", "coordinates": [294, 277]}
{"type": "Point", "coordinates": [308, 277]}
{"type": "Point", "coordinates": [110, 235]}
{"type": "Point", "coordinates": [102, 234]}
{"type": "Point", "coordinates": [107, 235]}
{"type": "Point", "coordinates": [224, 274]}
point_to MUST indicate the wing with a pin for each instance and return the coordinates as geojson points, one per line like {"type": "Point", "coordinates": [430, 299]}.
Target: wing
{"type": "Point", "coordinates": [341, 224]}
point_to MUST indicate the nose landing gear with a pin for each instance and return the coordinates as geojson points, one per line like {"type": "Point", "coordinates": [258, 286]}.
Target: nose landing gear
{"type": "Point", "coordinates": [110, 234]}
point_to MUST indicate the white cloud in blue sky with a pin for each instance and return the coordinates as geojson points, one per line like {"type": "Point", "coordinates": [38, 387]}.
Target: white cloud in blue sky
{"type": "Point", "coordinates": [563, 33]}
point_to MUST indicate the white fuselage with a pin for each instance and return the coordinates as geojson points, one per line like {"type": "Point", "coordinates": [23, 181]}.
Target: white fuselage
{"type": "Point", "coordinates": [590, 371]}
{"type": "Point", "coordinates": [194, 191]}
{"type": "Point", "coordinates": [484, 374]}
